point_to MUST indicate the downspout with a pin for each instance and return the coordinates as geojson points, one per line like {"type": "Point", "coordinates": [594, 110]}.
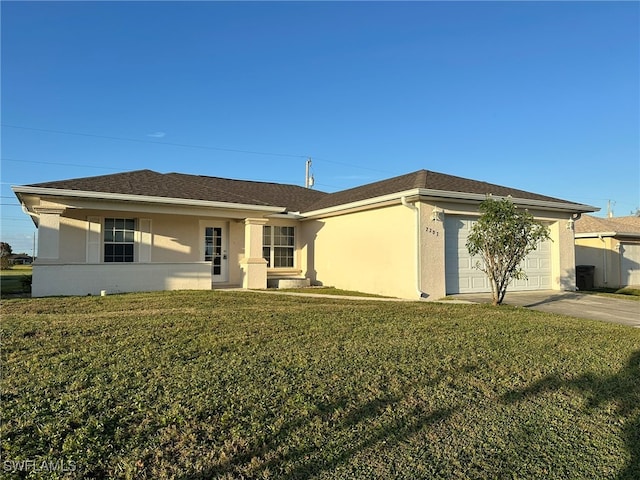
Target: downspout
{"type": "Point", "coordinates": [619, 248]}
{"type": "Point", "coordinates": [26, 210]}
{"type": "Point", "coordinates": [36, 220]}
{"type": "Point", "coordinates": [604, 259]}
{"type": "Point", "coordinates": [413, 207]}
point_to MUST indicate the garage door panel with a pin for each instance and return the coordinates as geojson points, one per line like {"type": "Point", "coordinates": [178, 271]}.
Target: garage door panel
{"type": "Point", "coordinates": [630, 263]}
{"type": "Point", "coordinates": [463, 277]}
{"type": "Point", "coordinates": [543, 249]}
{"type": "Point", "coordinates": [479, 283]}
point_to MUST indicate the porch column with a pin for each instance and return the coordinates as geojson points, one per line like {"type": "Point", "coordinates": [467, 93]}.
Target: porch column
{"type": "Point", "coordinates": [48, 232]}
{"type": "Point", "coordinates": [254, 267]}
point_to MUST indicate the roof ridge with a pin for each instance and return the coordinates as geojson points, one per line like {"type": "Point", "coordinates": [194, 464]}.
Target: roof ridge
{"type": "Point", "coordinates": [263, 182]}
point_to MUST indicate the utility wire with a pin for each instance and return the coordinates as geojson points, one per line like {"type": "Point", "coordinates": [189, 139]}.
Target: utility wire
{"type": "Point", "coordinates": [184, 145]}
{"type": "Point", "coordinates": [58, 164]}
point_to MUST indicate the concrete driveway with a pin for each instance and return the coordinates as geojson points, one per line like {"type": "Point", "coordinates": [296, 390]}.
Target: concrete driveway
{"type": "Point", "coordinates": [595, 307]}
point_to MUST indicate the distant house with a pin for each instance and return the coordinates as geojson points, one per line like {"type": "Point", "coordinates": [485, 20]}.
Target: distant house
{"type": "Point", "coordinates": [403, 237]}
{"type": "Point", "coordinates": [612, 246]}
{"type": "Point", "coordinates": [20, 259]}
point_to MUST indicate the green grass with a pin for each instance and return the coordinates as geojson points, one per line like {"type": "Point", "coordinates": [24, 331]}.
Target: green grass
{"type": "Point", "coordinates": [246, 385]}
{"type": "Point", "coordinates": [630, 293]}
{"type": "Point", "coordinates": [16, 280]}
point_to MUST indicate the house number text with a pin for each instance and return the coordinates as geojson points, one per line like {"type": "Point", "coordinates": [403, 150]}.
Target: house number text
{"type": "Point", "coordinates": [432, 231]}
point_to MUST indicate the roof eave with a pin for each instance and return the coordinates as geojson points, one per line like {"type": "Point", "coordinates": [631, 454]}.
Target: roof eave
{"type": "Point", "coordinates": [607, 234]}
{"type": "Point", "coordinates": [59, 192]}
{"type": "Point", "coordinates": [360, 204]}
{"type": "Point", "coordinates": [425, 193]}
{"type": "Point", "coordinates": [527, 202]}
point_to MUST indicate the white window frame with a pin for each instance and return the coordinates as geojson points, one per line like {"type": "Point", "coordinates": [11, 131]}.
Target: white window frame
{"type": "Point", "coordinates": [272, 241]}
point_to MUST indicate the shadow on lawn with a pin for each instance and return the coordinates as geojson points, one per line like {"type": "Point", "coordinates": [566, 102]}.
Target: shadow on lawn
{"type": "Point", "coordinates": [622, 388]}
{"type": "Point", "coordinates": [308, 458]}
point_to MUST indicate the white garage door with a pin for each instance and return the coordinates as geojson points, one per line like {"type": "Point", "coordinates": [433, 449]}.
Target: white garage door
{"type": "Point", "coordinates": [630, 263]}
{"type": "Point", "coordinates": [463, 277]}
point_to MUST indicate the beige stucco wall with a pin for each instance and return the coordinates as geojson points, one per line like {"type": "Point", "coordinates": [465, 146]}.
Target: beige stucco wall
{"type": "Point", "coordinates": [395, 250]}
{"type": "Point", "coordinates": [370, 251]}
{"type": "Point", "coordinates": [432, 253]}
{"type": "Point", "coordinates": [375, 250]}
{"type": "Point", "coordinates": [175, 240]}
{"type": "Point", "coordinates": [562, 255]}
{"type": "Point", "coordinates": [604, 255]}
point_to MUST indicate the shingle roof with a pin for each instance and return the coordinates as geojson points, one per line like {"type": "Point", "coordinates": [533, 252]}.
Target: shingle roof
{"type": "Point", "coordinates": [292, 197]}
{"type": "Point", "coordinates": [193, 187]}
{"type": "Point", "coordinates": [424, 179]}
{"type": "Point", "coordinates": [590, 224]}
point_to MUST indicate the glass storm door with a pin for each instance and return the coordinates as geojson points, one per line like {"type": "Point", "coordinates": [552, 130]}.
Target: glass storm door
{"type": "Point", "coordinates": [215, 251]}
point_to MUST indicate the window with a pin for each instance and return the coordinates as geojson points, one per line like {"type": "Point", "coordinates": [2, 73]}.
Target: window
{"type": "Point", "coordinates": [119, 239]}
{"type": "Point", "coordinates": [278, 246]}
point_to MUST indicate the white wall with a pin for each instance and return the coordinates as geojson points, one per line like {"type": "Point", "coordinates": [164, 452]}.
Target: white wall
{"type": "Point", "coordinates": [91, 279]}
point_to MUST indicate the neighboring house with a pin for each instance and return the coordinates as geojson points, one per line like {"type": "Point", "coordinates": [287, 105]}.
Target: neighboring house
{"type": "Point", "coordinates": [612, 245]}
{"type": "Point", "coordinates": [20, 259]}
{"type": "Point", "coordinates": [402, 237]}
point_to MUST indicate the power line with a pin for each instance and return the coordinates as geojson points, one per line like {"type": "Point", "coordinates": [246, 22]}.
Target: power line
{"type": "Point", "coordinates": [138, 140]}
{"type": "Point", "coordinates": [183, 145]}
{"type": "Point", "coordinates": [58, 164]}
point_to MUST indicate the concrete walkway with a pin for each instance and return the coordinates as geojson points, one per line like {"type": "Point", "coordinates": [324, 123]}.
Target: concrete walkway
{"type": "Point", "coordinates": [581, 305]}
{"type": "Point", "coordinates": [322, 295]}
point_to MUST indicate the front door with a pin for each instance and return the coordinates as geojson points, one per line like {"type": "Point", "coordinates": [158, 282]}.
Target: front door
{"type": "Point", "coordinates": [215, 248]}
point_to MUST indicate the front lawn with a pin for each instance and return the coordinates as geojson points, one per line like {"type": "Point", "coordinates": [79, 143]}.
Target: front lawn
{"type": "Point", "coordinates": [247, 385]}
{"type": "Point", "coordinates": [631, 293]}
{"type": "Point", "coordinates": [15, 281]}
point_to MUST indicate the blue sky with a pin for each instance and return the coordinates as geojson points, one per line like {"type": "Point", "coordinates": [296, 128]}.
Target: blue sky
{"type": "Point", "coordinates": [541, 96]}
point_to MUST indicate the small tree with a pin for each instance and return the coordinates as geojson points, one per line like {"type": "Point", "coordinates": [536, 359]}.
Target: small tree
{"type": "Point", "coordinates": [503, 236]}
{"type": "Point", "coordinates": [5, 252]}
